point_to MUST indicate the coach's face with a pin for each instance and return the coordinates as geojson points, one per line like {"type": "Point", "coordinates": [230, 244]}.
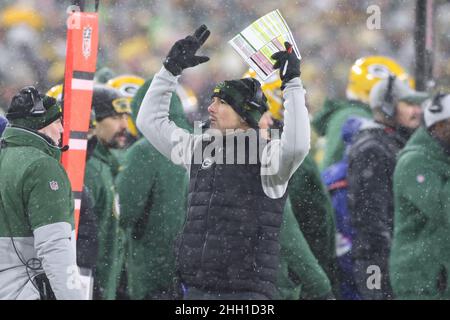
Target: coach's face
{"type": "Point", "coordinates": [223, 116]}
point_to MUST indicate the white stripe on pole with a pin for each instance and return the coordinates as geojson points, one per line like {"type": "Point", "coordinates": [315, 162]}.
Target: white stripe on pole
{"type": "Point", "coordinates": [78, 84]}
{"type": "Point", "coordinates": [77, 204]}
{"type": "Point", "coordinates": [78, 144]}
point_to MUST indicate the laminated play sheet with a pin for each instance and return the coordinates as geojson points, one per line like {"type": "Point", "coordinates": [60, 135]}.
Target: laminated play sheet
{"type": "Point", "coordinates": [256, 43]}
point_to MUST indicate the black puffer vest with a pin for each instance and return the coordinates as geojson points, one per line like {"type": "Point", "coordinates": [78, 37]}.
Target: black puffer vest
{"type": "Point", "coordinates": [230, 241]}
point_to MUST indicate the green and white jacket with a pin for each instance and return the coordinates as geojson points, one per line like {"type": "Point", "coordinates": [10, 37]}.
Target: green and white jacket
{"type": "Point", "coordinates": [36, 218]}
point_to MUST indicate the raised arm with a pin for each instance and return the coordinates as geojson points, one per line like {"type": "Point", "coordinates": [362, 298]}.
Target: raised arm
{"type": "Point", "coordinates": [153, 117]}
{"type": "Point", "coordinates": [283, 156]}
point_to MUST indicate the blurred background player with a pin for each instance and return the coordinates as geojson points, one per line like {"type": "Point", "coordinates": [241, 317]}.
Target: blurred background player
{"type": "Point", "coordinates": [363, 75]}
{"type": "Point", "coordinates": [397, 113]}
{"type": "Point", "coordinates": [111, 115]}
{"type": "Point", "coordinates": [419, 259]}
{"type": "Point", "coordinates": [153, 197]}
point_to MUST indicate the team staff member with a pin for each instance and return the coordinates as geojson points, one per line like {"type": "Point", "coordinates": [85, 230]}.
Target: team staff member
{"type": "Point", "coordinates": [229, 247]}
{"type": "Point", "coordinates": [111, 115]}
{"type": "Point", "coordinates": [420, 261]}
{"type": "Point", "coordinates": [37, 248]}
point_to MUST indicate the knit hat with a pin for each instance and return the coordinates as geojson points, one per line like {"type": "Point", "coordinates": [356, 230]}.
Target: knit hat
{"type": "Point", "coordinates": [437, 109]}
{"type": "Point", "coordinates": [245, 97]}
{"type": "Point", "coordinates": [108, 102]}
{"type": "Point", "coordinates": [33, 110]}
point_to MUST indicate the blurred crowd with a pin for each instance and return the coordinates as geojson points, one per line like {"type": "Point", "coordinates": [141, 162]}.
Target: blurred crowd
{"type": "Point", "coordinates": [136, 35]}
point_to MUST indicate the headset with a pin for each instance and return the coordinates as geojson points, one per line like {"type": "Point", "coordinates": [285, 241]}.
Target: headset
{"type": "Point", "coordinates": [388, 107]}
{"type": "Point", "coordinates": [436, 104]}
{"type": "Point", "coordinates": [258, 98]}
{"type": "Point", "coordinates": [256, 102]}
{"type": "Point", "coordinates": [37, 108]}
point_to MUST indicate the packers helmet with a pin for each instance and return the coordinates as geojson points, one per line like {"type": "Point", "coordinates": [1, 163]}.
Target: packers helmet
{"type": "Point", "coordinates": [56, 92]}
{"type": "Point", "coordinates": [272, 90]}
{"type": "Point", "coordinates": [367, 71]}
{"type": "Point", "coordinates": [127, 85]}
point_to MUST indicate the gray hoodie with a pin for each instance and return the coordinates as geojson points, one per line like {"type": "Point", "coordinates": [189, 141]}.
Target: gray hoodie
{"type": "Point", "coordinates": [280, 157]}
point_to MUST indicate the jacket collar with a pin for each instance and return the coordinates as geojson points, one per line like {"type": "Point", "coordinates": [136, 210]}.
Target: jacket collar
{"type": "Point", "coordinates": [322, 118]}
{"type": "Point", "coordinates": [102, 153]}
{"type": "Point", "coordinates": [423, 142]}
{"type": "Point", "coordinates": [21, 137]}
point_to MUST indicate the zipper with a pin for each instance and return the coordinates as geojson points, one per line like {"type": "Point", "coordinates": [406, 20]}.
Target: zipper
{"type": "Point", "coordinates": [207, 215]}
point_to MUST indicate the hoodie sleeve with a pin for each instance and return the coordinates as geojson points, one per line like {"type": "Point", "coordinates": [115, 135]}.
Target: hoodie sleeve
{"type": "Point", "coordinates": [153, 121]}
{"type": "Point", "coordinates": [55, 247]}
{"type": "Point", "coordinates": [282, 156]}
{"type": "Point", "coordinates": [50, 213]}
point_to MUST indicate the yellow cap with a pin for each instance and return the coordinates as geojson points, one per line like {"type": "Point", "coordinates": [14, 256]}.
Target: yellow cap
{"type": "Point", "coordinates": [367, 71]}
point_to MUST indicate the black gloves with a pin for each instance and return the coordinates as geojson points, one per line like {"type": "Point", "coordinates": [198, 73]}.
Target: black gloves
{"type": "Point", "coordinates": [288, 63]}
{"type": "Point", "coordinates": [182, 55]}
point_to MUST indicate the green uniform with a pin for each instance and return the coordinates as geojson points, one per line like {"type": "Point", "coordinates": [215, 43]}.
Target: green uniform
{"type": "Point", "coordinates": [101, 170]}
{"type": "Point", "coordinates": [299, 275]}
{"type": "Point", "coordinates": [311, 205]}
{"type": "Point", "coordinates": [328, 122]}
{"type": "Point", "coordinates": [36, 216]}
{"type": "Point", "coordinates": [153, 208]}
{"type": "Point", "coordinates": [420, 254]}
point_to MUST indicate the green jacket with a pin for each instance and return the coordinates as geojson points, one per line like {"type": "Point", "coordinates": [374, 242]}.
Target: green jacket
{"type": "Point", "coordinates": [36, 210]}
{"type": "Point", "coordinates": [153, 207]}
{"type": "Point", "coordinates": [299, 274]}
{"type": "Point", "coordinates": [30, 161]}
{"type": "Point", "coordinates": [420, 254]}
{"type": "Point", "coordinates": [312, 208]}
{"type": "Point", "coordinates": [328, 122]}
{"type": "Point", "coordinates": [101, 170]}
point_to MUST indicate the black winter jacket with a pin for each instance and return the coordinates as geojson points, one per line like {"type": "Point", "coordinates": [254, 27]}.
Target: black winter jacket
{"type": "Point", "coordinates": [372, 160]}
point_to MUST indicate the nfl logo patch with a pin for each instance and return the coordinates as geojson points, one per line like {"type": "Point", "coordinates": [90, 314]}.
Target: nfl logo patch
{"type": "Point", "coordinates": [54, 185]}
{"type": "Point", "coordinates": [420, 178]}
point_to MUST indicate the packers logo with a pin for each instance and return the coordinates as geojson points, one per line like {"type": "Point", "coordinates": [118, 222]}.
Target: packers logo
{"type": "Point", "coordinates": [207, 163]}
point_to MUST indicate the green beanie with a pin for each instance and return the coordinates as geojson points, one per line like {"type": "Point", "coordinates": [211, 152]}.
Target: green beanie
{"type": "Point", "coordinates": [245, 97]}
{"type": "Point", "coordinates": [19, 112]}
